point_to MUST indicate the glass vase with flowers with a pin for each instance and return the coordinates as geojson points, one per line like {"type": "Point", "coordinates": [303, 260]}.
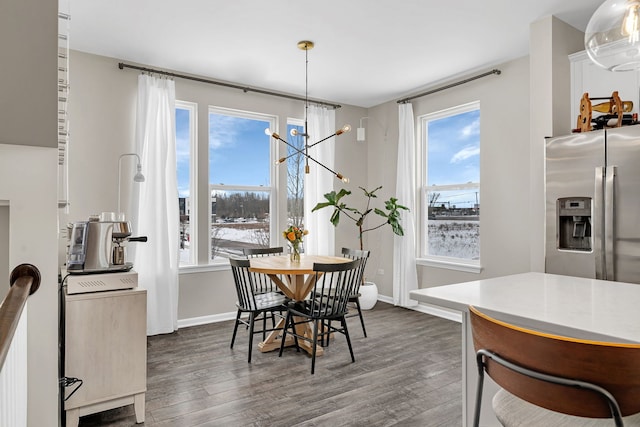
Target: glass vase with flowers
{"type": "Point", "coordinates": [294, 235]}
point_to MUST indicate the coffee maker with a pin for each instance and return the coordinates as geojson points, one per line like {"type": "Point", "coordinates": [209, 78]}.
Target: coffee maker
{"type": "Point", "coordinates": [96, 246]}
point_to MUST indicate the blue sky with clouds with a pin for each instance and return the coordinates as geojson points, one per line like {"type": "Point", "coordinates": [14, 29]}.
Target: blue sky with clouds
{"type": "Point", "coordinates": [453, 152]}
{"type": "Point", "coordinates": [238, 151]}
{"type": "Point", "coordinates": [183, 151]}
{"type": "Point", "coordinates": [228, 136]}
{"type": "Point", "coordinates": [454, 155]}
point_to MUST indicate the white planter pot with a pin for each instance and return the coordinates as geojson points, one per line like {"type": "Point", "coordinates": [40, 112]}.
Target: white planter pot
{"type": "Point", "coordinates": [368, 295]}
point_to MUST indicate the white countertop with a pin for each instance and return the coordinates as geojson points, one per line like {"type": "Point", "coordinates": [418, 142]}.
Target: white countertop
{"type": "Point", "coordinates": [573, 306]}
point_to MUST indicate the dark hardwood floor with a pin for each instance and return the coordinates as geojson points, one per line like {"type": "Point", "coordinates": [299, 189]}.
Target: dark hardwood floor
{"type": "Point", "coordinates": [407, 373]}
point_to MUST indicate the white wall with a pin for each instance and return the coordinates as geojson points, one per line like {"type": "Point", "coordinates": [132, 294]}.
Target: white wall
{"type": "Point", "coordinates": [551, 41]}
{"type": "Point", "coordinates": [382, 154]}
{"type": "Point", "coordinates": [28, 181]}
{"type": "Point", "coordinates": [102, 117]}
{"type": "Point", "coordinates": [28, 48]}
{"type": "Point", "coordinates": [504, 180]}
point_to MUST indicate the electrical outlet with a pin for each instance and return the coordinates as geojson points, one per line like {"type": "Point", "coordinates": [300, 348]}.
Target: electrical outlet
{"type": "Point", "coordinates": [380, 272]}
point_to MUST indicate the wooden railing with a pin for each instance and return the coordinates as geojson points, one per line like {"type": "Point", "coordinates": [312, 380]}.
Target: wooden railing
{"type": "Point", "coordinates": [25, 280]}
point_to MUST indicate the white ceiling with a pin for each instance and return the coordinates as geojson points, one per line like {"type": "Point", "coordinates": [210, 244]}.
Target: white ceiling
{"type": "Point", "coordinates": [366, 51]}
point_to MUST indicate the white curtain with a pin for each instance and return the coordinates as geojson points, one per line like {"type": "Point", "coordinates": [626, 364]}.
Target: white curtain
{"type": "Point", "coordinates": [156, 261]}
{"type": "Point", "coordinates": [321, 238]}
{"type": "Point", "coordinates": [405, 275]}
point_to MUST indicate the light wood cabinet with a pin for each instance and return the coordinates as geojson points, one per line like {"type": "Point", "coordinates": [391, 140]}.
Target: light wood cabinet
{"type": "Point", "coordinates": [106, 347]}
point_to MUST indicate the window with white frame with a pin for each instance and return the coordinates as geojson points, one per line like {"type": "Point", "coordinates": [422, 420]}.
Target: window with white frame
{"type": "Point", "coordinates": [240, 181]}
{"type": "Point", "coordinates": [450, 187]}
{"type": "Point", "coordinates": [186, 131]}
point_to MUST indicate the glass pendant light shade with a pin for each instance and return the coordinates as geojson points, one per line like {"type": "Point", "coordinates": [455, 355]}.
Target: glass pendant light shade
{"type": "Point", "coordinates": [612, 37]}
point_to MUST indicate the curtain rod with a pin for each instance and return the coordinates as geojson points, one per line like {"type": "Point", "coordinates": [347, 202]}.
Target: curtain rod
{"type": "Point", "coordinates": [122, 65]}
{"type": "Point", "coordinates": [454, 84]}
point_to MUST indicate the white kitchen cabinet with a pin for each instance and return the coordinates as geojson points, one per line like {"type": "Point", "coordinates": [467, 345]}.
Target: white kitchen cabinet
{"type": "Point", "coordinates": [600, 83]}
{"type": "Point", "coordinates": [106, 347]}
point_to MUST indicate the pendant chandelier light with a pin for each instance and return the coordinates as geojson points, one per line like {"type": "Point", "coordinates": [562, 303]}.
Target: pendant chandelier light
{"type": "Point", "coordinates": [306, 46]}
{"type": "Point", "coordinates": [612, 37]}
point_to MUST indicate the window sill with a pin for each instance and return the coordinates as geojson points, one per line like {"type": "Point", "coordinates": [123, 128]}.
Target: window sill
{"type": "Point", "coordinates": [451, 264]}
{"type": "Point", "coordinates": [205, 268]}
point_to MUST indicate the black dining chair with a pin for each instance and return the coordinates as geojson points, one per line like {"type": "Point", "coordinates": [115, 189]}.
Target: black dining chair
{"type": "Point", "coordinates": [253, 252]}
{"type": "Point", "coordinates": [327, 302]}
{"type": "Point", "coordinates": [258, 306]}
{"type": "Point", "coordinates": [262, 282]}
{"type": "Point", "coordinates": [354, 299]}
{"type": "Point", "coordinates": [551, 380]}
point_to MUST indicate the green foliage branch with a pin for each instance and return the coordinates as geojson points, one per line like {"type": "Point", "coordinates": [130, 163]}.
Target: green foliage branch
{"type": "Point", "coordinates": [390, 214]}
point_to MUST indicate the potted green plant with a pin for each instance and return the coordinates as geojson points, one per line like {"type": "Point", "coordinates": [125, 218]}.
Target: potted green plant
{"type": "Point", "coordinates": [390, 215]}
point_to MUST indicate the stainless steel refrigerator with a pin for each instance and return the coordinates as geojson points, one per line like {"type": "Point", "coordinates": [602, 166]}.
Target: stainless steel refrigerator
{"type": "Point", "coordinates": [593, 204]}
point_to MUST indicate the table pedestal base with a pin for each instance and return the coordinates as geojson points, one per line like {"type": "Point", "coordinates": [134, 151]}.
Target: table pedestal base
{"type": "Point", "coordinates": [273, 340]}
{"type": "Point", "coordinates": [300, 280]}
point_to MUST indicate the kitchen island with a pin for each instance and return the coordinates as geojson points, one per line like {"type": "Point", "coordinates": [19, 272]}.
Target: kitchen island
{"type": "Point", "coordinates": [563, 305]}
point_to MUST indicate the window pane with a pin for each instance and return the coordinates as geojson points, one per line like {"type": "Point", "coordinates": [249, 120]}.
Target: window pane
{"type": "Point", "coordinates": [239, 219]}
{"type": "Point", "coordinates": [295, 177]}
{"type": "Point", "coordinates": [238, 150]}
{"type": "Point", "coordinates": [454, 149]}
{"type": "Point", "coordinates": [240, 168]}
{"type": "Point", "coordinates": [453, 224]}
{"type": "Point", "coordinates": [183, 169]}
{"type": "Point", "coordinates": [452, 187]}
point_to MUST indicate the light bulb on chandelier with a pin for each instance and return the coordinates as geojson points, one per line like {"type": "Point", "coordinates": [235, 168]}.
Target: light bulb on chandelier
{"type": "Point", "coordinates": [306, 46]}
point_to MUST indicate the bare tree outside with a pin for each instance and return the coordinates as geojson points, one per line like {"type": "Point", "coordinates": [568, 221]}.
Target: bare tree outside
{"type": "Point", "coordinates": [433, 199]}
{"type": "Point", "coordinates": [215, 241]}
{"type": "Point", "coordinates": [295, 178]}
{"type": "Point", "coordinates": [261, 236]}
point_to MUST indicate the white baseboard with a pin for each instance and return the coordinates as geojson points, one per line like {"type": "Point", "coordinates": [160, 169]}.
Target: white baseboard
{"type": "Point", "coordinates": [433, 310]}
{"type": "Point", "coordinates": [203, 320]}
{"type": "Point", "coordinates": [385, 298]}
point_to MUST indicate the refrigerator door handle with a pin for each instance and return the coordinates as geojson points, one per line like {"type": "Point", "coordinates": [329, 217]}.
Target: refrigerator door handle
{"type": "Point", "coordinates": [598, 223]}
{"type": "Point", "coordinates": [609, 218]}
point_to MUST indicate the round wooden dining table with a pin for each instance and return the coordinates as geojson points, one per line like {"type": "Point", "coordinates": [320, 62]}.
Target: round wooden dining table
{"type": "Point", "coordinates": [299, 280]}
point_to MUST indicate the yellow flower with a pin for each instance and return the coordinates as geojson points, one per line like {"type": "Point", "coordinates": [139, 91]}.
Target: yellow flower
{"type": "Point", "coordinates": [294, 234]}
